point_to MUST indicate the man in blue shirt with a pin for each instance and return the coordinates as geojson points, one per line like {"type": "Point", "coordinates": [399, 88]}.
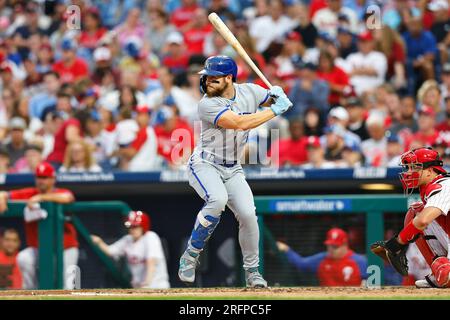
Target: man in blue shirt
{"type": "Point", "coordinates": [40, 102]}
{"type": "Point", "coordinates": [422, 58]}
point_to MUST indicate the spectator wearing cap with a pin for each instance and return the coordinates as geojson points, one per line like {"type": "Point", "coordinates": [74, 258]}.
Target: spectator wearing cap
{"type": "Point", "coordinates": [44, 191]}
{"type": "Point", "coordinates": [339, 116]}
{"type": "Point", "coordinates": [270, 27]}
{"type": "Point", "coordinates": [426, 135]}
{"type": "Point", "coordinates": [430, 94]}
{"type": "Point", "coordinates": [137, 146]}
{"type": "Point", "coordinates": [68, 131]}
{"type": "Point", "coordinates": [346, 41]}
{"type": "Point", "coordinates": [308, 91]}
{"type": "Point", "coordinates": [199, 29]}
{"type": "Point", "coordinates": [79, 158]}
{"type": "Point", "coordinates": [174, 53]}
{"type": "Point", "coordinates": [131, 27]}
{"type": "Point", "coordinates": [374, 149]}
{"type": "Point", "coordinates": [336, 78]}
{"type": "Point", "coordinates": [100, 139]}
{"type": "Point", "coordinates": [31, 159]}
{"type": "Point", "coordinates": [441, 26]}
{"type": "Point", "coordinates": [291, 150]}
{"type": "Point", "coordinates": [334, 143]}
{"type": "Point", "coordinates": [293, 48]}
{"type": "Point", "coordinates": [337, 266]}
{"type": "Point", "coordinates": [445, 85]}
{"type": "Point", "coordinates": [316, 155]}
{"type": "Point", "coordinates": [366, 68]}
{"type": "Point", "coordinates": [92, 30]}
{"type": "Point", "coordinates": [70, 68]}
{"type": "Point", "coordinates": [105, 75]}
{"type": "Point", "coordinates": [306, 28]}
{"type": "Point", "coordinates": [327, 19]}
{"type": "Point", "coordinates": [133, 51]}
{"type": "Point", "coordinates": [422, 54]}
{"type": "Point", "coordinates": [391, 44]}
{"type": "Point", "coordinates": [394, 151]}
{"type": "Point", "coordinates": [159, 29]}
{"type": "Point", "coordinates": [17, 145]}
{"type": "Point", "coordinates": [183, 15]}
{"type": "Point", "coordinates": [356, 117]}
{"type": "Point", "coordinates": [175, 137]}
{"type": "Point", "coordinates": [44, 58]}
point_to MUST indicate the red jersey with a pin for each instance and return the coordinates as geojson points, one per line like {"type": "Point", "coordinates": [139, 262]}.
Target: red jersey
{"type": "Point", "coordinates": [335, 76]}
{"type": "Point", "coordinates": [183, 15]}
{"type": "Point", "coordinates": [90, 40]}
{"type": "Point", "coordinates": [293, 151]}
{"type": "Point", "coordinates": [195, 38]}
{"type": "Point", "coordinates": [59, 148]}
{"type": "Point", "coordinates": [426, 140]}
{"type": "Point", "coordinates": [181, 62]}
{"type": "Point", "coordinates": [77, 70]}
{"type": "Point", "coordinates": [10, 276]}
{"type": "Point", "coordinates": [339, 272]}
{"type": "Point", "coordinates": [166, 145]}
{"type": "Point", "coordinates": [444, 131]}
{"type": "Point", "coordinates": [31, 228]}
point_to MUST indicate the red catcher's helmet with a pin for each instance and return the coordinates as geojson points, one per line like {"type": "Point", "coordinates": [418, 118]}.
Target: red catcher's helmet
{"type": "Point", "coordinates": [138, 219]}
{"type": "Point", "coordinates": [416, 160]}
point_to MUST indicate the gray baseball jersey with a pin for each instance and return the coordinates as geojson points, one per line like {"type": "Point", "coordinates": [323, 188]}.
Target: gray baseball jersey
{"type": "Point", "coordinates": [227, 144]}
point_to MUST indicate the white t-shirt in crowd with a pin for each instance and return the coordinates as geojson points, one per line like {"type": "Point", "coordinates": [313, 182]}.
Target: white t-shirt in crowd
{"type": "Point", "coordinates": [137, 253]}
{"type": "Point", "coordinates": [326, 20]}
{"type": "Point", "coordinates": [265, 30]}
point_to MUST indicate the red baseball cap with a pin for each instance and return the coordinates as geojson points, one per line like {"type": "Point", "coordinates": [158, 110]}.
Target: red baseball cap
{"type": "Point", "coordinates": [336, 237]}
{"type": "Point", "coordinates": [142, 109]}
{"type": "Point", "coordinates": [427, 110]}
{"type": "Point", "coordinates": [365, 36]}
{"type": "Point", "coordinates": [294, 35]}
{"type": "Point", "coordinates": [45, 170]}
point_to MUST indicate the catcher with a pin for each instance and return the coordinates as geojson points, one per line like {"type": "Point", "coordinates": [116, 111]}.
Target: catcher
{"type": "Point", "coordinates": [427, 223]}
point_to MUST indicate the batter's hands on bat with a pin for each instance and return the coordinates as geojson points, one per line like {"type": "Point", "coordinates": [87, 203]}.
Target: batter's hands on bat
{"type": "Point", "coordinates": [393, 252]}
{"type": "Point", "coordinates": [282, 103]}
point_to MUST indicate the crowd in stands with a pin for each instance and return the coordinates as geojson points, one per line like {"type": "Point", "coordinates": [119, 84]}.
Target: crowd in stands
{"type": "Point", "coordinates": [120, 91]}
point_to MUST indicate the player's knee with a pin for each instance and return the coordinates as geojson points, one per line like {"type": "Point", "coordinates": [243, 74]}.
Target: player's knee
{"type": "Point", "coordinates": [247, 216]}
{"type": "Point", "coordinates": [218, 202]}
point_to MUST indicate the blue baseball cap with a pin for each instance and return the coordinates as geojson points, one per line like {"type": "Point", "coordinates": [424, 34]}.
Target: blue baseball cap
{"type": "Point", "coordinates": [68, 44]}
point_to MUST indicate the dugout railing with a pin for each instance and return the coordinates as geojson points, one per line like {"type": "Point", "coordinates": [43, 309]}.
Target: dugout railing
{"type": "Point", "coordinates": [372, 206]}
{"type": "Point", "coordinates": [50, 262]}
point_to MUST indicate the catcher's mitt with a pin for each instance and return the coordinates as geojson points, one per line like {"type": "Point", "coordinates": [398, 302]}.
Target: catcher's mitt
{"type": "Point", "coordinates": [393, 252]}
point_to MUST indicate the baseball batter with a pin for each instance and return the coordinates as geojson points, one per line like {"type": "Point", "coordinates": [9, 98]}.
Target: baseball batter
{"type": "Point", "coordinates": [227, 111]}
{"type": "Point", "coordinates": [427, 223]}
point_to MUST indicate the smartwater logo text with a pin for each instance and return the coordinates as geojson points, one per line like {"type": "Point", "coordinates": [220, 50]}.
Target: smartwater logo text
{"type": "Point", "coordinates": [311, 205]}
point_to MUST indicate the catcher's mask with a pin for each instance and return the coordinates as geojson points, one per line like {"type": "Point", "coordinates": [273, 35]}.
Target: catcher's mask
{"type": "Point", "coordinates": [414, 162]}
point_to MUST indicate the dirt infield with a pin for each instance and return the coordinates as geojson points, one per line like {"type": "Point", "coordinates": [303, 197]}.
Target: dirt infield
{"type": "Point", "coordinates": [235, 293]}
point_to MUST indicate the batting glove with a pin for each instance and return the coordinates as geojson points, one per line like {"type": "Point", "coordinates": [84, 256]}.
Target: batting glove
{"type": "Point", "coordinates": [276, 92]}
{"type": "Point", "coordinates": [281, 105]}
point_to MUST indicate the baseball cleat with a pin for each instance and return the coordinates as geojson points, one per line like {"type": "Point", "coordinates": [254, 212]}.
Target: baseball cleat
{"type": "Point", "coordinates": [428, 282]}
{"type": "Point", "coordinates": [254, 279]}
{"type": "Point", "coordinates": [188, 264]}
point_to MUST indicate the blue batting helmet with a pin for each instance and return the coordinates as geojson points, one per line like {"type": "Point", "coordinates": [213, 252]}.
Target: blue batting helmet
{"type": "Point", "coordinates": [217, 66]}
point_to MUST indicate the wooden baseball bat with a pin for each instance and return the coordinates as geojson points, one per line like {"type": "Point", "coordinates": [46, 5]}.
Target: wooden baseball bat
{"type": "Point", "coordinates": [232, 41]}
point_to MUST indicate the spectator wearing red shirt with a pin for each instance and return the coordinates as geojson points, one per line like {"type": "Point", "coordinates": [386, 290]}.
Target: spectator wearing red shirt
{"type": "Point", "coordinates": [338, 266]}
{"type": "Point", "coordinates": [69, 130]}
{"type": "Point", "coordinates": [292, 151]}
{"type": "Point", "coordinates": [44, 191]}
{"type": "Point", "coordinates": [444, 127]}
{"type": "Point", "coordinates": [176, 57]}
{"type": "Point", "coordinates": [337, 78]}
{"type": "Point", "coordinates": [427, 134]}
{"type": "Point", "coordinates": [92, 29]}
{"type": "Point", "coordinates": [175, 137]}
{"type": "Point", "coordinates": [195, 36]}
{"type": "Point", "coordinates": [70, 68]}
{"type": "Point", "coordinates": [185, 14]}
{"type": "Point", "coordinates": [10, 276]}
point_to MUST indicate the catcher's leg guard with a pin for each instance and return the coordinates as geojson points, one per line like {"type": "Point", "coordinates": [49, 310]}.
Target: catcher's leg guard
{"type": "Point", "coordinates": [441, 271]}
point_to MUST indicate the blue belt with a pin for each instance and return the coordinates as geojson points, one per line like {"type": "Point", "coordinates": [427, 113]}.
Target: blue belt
{"type": "Point", "coordinates": [223, 163]}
